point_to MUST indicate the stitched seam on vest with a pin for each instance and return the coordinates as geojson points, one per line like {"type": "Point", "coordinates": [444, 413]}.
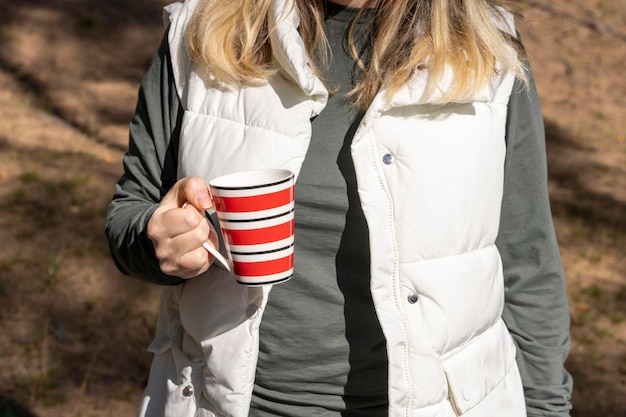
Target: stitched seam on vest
{"type": "Point", "coordinates": [238, 122]}
{"type": "Point", "coordinates": [396, 273]}
{"type": "Point", "coordinates": [472, 340]}
{"type": "Point", "coordinates": [441, 258]}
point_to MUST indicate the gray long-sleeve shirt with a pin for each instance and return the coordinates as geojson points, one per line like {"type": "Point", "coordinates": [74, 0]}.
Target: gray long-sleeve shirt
{"type": "Point", "coordinates": [535, 311]}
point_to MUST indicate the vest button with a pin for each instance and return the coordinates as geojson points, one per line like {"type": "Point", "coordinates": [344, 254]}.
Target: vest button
{"type": "Point", "coordinates": [388, 159]}
{"type": "Point", "coordinates": [188, 391]}
{"type": "Point", "coordinates": [468, 393]}
{"type": "Point", "coordinates": [413, 298]}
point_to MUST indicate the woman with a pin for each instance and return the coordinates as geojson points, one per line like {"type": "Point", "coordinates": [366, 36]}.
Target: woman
{"type": "Point", "coordinates": [428, 280]}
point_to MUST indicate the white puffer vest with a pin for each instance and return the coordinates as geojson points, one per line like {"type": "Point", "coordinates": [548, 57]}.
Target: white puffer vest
{"type": "Point", "coordinates": [430, 181]}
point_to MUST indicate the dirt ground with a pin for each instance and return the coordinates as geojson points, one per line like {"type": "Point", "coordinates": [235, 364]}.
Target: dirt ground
{"type": "Point", "coordinates": [74, 331]}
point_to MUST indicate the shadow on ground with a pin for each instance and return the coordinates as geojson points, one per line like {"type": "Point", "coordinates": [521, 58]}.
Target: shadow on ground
{"type": "Point", "coordinates": [9, 408]}
{"type": "Point", "coordinates": [572, 171]}
{"type": "Point", "coordinates": [81, 60]}
{"type": "Point", "coordinates": [597, 220]}
{"type": "Point", "coordinates": [73, 329]}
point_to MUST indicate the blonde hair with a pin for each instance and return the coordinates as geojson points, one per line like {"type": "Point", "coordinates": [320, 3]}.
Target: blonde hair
{"type": "Point", "coordinates": [230, 39]}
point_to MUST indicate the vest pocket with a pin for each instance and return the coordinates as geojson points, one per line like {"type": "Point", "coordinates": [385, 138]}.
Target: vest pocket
{"type": "Point", "coordinates": [477, 368]}
{"type": "Point", "coordinates": [175, 384]}
{"type": "Point", "coordinates": [184, 385]}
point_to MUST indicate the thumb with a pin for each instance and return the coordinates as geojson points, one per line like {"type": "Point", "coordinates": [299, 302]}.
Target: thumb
{"type": "Point", "coordinates": [195, 191]}
{"type": "Point", "coordinates": [192, 190]}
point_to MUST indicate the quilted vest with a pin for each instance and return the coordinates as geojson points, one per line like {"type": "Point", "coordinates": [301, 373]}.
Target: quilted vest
{"type": "Point", "coordinates": [430, 180]}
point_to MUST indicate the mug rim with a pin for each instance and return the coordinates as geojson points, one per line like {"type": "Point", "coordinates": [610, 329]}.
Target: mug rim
{"type": "Point", "coordinates": [252, 179]}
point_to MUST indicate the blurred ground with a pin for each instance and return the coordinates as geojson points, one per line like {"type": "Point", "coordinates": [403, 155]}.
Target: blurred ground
{"type": "Point", "coordinates": [74, 331]}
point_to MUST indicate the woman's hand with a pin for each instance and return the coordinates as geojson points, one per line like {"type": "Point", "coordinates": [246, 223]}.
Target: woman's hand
{"type": "Point", "coordinates": [178, 228]}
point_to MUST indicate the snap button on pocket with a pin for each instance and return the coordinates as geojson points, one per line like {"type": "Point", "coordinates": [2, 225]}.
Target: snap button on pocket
{"type": "Point", "coordinates": [188, 391]}
{"type": "Point", "coordinates": [467, 393]}
{"type": "Point", "coordinates": [388, 159]}
{"type": "Point", "coordinates": [413, 298]}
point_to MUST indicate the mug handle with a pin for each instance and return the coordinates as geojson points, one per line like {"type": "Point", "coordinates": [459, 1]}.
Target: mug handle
{"type": "Point", "coordinates": [213, 251]}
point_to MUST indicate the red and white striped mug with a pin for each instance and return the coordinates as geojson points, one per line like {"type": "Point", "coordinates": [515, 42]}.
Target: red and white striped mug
{"type": "Point", "coordinates": [255, 210]}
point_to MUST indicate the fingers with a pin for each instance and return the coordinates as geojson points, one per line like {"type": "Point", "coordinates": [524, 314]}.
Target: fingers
{"type": "Point", "coordinates": [178, 230]}
{"type": "Point", "coordinates": [188, 265]}
{"type": "Point", "coordinates": [182, 254]}
{"type": "Point", "coordinates": [177, 221]}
